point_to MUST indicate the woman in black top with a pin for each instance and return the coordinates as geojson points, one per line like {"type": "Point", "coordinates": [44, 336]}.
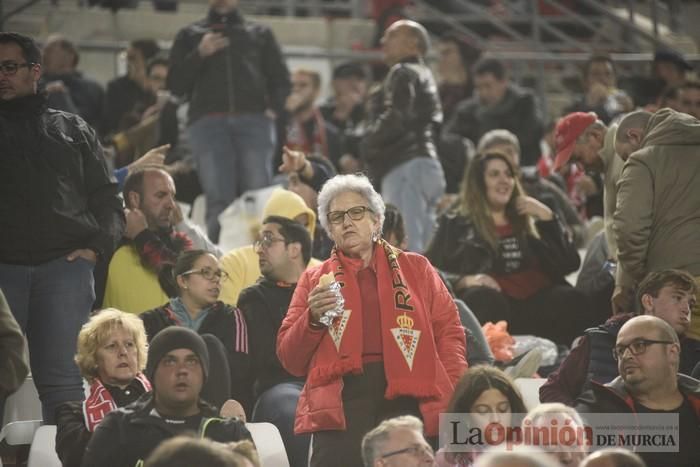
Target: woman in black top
{"type": "Point", "coordinates": [111, 355]}
{"type": "Point", "coordinates": [507, 255]}
{"type": "Point", "coordinates": [194, 285]}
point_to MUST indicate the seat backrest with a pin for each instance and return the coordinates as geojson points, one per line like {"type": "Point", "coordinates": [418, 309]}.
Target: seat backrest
{"type": "Point", "coordinates": [268, 442]}
{"type": "Point", "coordinates": [43, 450]}
{"type": "Point", "coordinates": [530, 390]}
{"type": "Point", "coordinates": [23, 405]}
{"type": "Point", "coordinates": [19, 433]}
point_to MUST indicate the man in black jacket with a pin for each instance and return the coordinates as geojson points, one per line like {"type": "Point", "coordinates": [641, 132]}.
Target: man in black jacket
{"type": "Point", "coordinates": [59, 214]}
{"type": "Point", "coordinates": [400, 142]}
{"type": "Point", "coordinates": [498, 103]}
{"type": "Point", "coordinates": [233, 73]}
{"type": "Point", "coordinates": [284, 250]}
{"type": "Point", "coordinates": [178, 365]}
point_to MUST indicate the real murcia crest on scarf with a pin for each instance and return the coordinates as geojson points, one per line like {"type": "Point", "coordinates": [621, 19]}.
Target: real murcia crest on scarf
{"type": "Point", "coordinates": [337, 328]}
{"type": "Point", "coordinates": [406, 338]}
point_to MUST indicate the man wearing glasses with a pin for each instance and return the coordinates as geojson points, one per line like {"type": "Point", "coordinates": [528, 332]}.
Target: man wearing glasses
{"type": "Point", "coordinates": [647, 351]}
{"type": "Point", "coordinates": [284, 251]}
{"type": "Point", "coordinates": [397, 442]}
{"type": "Point", "coordinates": [669, 294]}
{"type": "Point", "coordinates": [59, 215]}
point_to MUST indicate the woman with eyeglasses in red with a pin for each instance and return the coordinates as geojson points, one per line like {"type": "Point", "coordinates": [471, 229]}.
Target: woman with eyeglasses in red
{"type": "Point", "coordinates": [193, 284]}
{"type": "Point", "coordinates": [372, 329]}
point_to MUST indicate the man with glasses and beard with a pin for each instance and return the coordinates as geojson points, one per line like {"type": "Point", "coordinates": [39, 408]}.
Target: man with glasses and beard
{"type": "Point", "coordinates": [647, 351]}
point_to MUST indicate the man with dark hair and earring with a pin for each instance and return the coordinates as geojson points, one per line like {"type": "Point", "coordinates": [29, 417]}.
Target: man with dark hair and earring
{"type": "Point", "coordinates": [60, 214]}
{"type": "Point", "coordinates": [284, 249]}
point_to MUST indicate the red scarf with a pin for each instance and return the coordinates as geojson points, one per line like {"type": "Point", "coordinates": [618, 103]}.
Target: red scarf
{"type": "Point", "coordinates": [408, 344]}
{"type": "Point", "coordinates": [100, 402]}
{"type": "Point", "coordinates": [297, 139]}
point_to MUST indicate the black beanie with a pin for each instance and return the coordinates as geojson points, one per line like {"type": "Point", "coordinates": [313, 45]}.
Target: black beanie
{"type": "Point", "coordinates": [172, 338]}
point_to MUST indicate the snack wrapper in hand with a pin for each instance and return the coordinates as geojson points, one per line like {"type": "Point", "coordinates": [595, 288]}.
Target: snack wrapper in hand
{"type": "Point", "coordinates": [328, 280]}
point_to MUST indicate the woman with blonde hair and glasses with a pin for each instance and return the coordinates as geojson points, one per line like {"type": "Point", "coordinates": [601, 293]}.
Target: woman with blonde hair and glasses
{"type": "Point", "coordinates": [373, 329]}
{"type": "Point", "coordinates": [111, 357]}
{"type": "Point", "coordinates": [193, 284]}
{"type": "Point", "coordinates": [507, 255]}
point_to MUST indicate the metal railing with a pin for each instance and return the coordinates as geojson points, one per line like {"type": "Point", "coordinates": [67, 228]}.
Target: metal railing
{"type": "Point", "coordinates": [331, 8]}
{"type": "Point", "coordinates": [348, 8]}
{"type": "Point", "coordinates": [533, 42]}
{"type": "Point", "coordinates": [563, 29]}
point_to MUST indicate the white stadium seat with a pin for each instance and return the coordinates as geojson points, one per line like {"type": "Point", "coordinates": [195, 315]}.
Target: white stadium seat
{"type": "Point", "coordinates": [268, 442]}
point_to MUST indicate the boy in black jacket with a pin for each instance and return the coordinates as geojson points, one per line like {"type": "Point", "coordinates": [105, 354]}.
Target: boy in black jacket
{"type": "Point", "coordinates": [178, 364]}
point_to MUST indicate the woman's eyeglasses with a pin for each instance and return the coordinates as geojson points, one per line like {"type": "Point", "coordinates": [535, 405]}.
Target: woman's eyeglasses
{"type": "Point", "coordinates": [208, 273]}
{"type": "Point", "coordinates": [356, 213]}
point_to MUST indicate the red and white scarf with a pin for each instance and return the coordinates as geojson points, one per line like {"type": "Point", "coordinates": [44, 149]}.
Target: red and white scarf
{"type": "Point", "coordinates": [408, 344]}
{"type": "Point", "coordinates": [100, 402]}
{"type": "Point", "coordinates": [298, 140]}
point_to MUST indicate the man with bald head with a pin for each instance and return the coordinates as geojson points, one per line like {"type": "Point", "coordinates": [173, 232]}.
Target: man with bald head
{"type": "Point", "coordinates": [630, 131]}
{"type": "Point", "coordinates": [647, 350]}
{"type": "Point", "coordinates": [400, 144]}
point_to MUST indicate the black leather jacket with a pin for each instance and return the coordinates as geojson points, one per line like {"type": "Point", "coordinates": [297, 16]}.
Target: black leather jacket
{"type": "Point", "coordinates": [56, 193]}
{"type": "Point", "coordinates": [458, 250]}
{"type": "Point", "coordinates": [248, 76]}
{"type": "Point", "coordinates": [404, 118]}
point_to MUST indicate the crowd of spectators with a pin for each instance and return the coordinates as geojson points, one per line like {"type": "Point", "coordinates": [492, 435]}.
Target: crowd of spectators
{"type": "Point", "coordinates": [416, 210]}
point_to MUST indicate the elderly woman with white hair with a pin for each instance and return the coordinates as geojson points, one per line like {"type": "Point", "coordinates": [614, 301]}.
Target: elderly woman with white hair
{"type": "Point", "coordinates": [395, 347]}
